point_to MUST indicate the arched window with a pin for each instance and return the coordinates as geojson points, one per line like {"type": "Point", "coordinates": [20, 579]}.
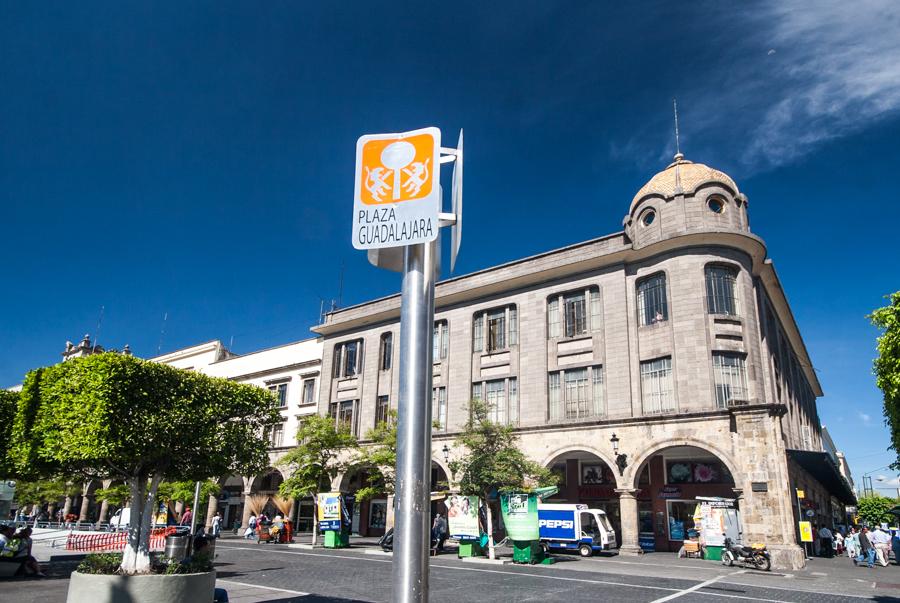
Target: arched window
{"type": "Point", "coordinates": [720, 290]}
{"type": "Point", "coordinates": [651, 300]}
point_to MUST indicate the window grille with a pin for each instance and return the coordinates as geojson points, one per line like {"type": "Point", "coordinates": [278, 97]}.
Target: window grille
{"type": "Point", "coordinates": [651, 300]}
{"type": "Point", "coordinates": [581, 395]}
{"type": "Point", "coordinates": [501, 397]}
{"type": "Point", "coordinates": [496, 330]}
{"type": "Point", "coordinates": [387, 351]}
{"type": "Point", "coordinates": [439, 407]}
{"type": "Point", "coordinates": [730, 376]}
{"type": "Point", "coordinates": [346, 414]}
{"type": "Point", "coordinates": [553, 318]}
{"type": "Point", "coordinates": [574, 313]}
{"type": "Point", "coordinates": [595, 309]}
{"type": "Point", "coordinates": [656, 386]}
{"type": "Point", "coordinates": [720, 290]}
{"type": "Point", "coordinates": [382, 404]}
{"type": "Point", "coordinates": [513, 326]}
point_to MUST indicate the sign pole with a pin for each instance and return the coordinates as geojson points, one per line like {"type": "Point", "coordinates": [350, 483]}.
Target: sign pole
{"type": "Point", "coordinates": [413, 491]}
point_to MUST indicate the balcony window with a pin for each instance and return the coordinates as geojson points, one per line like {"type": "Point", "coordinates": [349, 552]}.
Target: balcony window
{"type": "Point", "coordinates": [501, 397]}
{"type": "Point", "coordinates": [576, 393]}
{"type": "Point", "coordinates": [720, 290]}
{"type": "Point", "coordinates": [656, 386]}
{"type": "Point", "coordinates": [347, 357]}
{"type": "Point", "coordinates": [344, 414]}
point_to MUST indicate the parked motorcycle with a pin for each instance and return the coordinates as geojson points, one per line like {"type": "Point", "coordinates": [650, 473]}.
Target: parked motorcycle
{"type": "Point", "coordinates": [756, 556]}
{"type": "Point", "coordinates": [386, 542]}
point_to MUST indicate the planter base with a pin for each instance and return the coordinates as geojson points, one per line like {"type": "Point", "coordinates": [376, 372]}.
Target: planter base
{"type": "Point", "coordinates": [177, 588]}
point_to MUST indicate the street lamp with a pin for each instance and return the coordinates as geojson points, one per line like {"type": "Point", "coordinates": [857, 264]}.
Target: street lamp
{"type": "Point", "coordinates": [446, 452]}
{"type": "Point", "coordinates": [621, 459]}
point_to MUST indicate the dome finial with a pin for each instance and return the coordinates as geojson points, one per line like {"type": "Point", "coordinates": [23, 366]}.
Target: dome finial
{"type": "Point", "coordinates": [678, 155]}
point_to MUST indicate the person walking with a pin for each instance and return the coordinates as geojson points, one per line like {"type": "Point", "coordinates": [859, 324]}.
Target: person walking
{"type": "Point", "coordinates": [895, 544]}
{"type": "Point", "coordinates": [216, 525]}
{"type": "Point", "coordinates": [866, 550]}
{"type": "Point", "coordinates": [186, 517]}
{"type": "Point", "coordinates": [439, 531]}
{"type": "Point", "coordinates": [251, 527]}
{"type": "Point", "coordinates": [881, 540]}
{"type": "Point", "coordinates": [838, 542]}
{"type": "Point", "coordinates": [826, 548]}
{"type": "Point", "coordinates": [851, 542]}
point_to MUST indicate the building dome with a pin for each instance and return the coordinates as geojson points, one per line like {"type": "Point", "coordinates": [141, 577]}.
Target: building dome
{"type": "Point", "coordinates": [682, 176]}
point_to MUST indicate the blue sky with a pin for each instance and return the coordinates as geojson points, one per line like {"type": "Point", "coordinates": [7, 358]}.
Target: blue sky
{"type": "Point", "coordinates": [195, 159]}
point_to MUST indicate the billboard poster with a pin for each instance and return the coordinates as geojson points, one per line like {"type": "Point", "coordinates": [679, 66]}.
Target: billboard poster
{"type": "Point", "coordinates": [329, 511]}
{"type": "Point", "coordinates": [520, 516]}
{"type": "Point", "coordinates": [805, 531]}
{"type": "Point", "coordinates": [462, 516]}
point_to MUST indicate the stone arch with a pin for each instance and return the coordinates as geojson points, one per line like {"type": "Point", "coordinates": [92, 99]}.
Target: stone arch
{"type": "Point", "coordinates": [583, 448]}
{"type": "Point", "coordinates": [632, 473]}
{"type": "Point", "coordinates": [266, 481]}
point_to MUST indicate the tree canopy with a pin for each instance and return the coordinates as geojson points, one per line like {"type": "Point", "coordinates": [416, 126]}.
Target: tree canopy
{"type": "Point", "coordinates": [887, 366]}
{"type": "Point", "coordinates": [116, 416]}
{"type": "Point", "coordinates": [380, 459]}
{"type": "Point", "coordinates": [9, 402]}
{"type": "Point", "coordinates": [317, 459]}
{"type": "Point", "coordinates": [873, 510]}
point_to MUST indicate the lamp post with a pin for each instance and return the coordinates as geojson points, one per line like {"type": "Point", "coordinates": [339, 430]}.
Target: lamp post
{"type": "Point", "coordinates": [621, 459]}
{"type": "Point", "coordinates": [446, 451]}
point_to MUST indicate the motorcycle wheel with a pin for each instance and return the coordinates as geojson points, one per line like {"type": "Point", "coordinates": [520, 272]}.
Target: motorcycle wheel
{"type": "Point", "coordinates": [762, 562]}
{"type": "Point", "coordinates": [728, 558]}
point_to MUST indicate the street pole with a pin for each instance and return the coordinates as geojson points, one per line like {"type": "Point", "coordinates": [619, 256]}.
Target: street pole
{"type": "Point", "coordinates": [413, 491]}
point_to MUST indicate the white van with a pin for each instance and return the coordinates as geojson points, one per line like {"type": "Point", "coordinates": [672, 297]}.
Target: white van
{"type": "Point", "coordinates": [575, 527]}
{"type": "Point", "coordinates": [120, 519]}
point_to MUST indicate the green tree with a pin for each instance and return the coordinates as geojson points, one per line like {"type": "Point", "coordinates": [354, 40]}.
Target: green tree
{"type": "Point", "coordinates": [380, 460]}
{"type": "Point", "coordinates": [887, 366]}
{"type": "Point", "coordinates": [116, 494]}
{"type": "Point", "coordinates": [873, 510]}
{"type": "Point", "coordinates": [317, 459]}
{"type": "Point", "coordinates": [110, 416]}
{"type": "Point", "coordinates": [493, 462]}
{"type": "Point", "coordinates": [9, 403]}
{"type": "Point", "coordinates": [184, 491]}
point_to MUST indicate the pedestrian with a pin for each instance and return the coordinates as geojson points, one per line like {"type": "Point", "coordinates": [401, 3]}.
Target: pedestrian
{"type": "Point", "coordinates": [838, 542]}
{"type": "Point", "coordinates": [186, 517]}
{"type": "Point", "coordinates": [851, 543]}
{"type": "Point", "coordinates": [895, 544]}
{"type": "Point", "coordinates": [251, 527]}
{"type": "Point", "coordinates": [881, 540]}
{"type": "Point", "coordinates": [866, 550]}
{"type": "Point", "coordinates": [825, 542]}
{"type": "Point", "coordinates": [216, 525]}
{"type": "Point", "coordinates": [439, 531]}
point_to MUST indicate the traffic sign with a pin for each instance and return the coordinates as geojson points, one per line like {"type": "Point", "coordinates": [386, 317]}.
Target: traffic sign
{"type": "Point", "coordinates": [397, 195]}
{"type": "Point", "coordinates": [456, 197]}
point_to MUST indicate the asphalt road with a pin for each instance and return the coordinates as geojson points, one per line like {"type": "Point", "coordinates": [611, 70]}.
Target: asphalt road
{"type": "Point", "coordinates": [352, 575]}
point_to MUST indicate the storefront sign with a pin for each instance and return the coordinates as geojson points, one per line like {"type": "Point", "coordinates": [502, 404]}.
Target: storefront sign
{"type": "Point", "coordinates": [462, 516]}
{"type": "Point", "coordinates": [805, 531]}
{"type": "Point", "coordinates": [520, 516]}
{"type": "Point", "coordinates": [801, 493]}
{"type": "Point", "coordinates": [670, 492]}
{"type": "Point", "coordinates": [329, 511]}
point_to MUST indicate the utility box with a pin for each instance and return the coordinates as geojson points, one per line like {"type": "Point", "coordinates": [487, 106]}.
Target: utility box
{"type": "Point", "coordinates": [527, 551]}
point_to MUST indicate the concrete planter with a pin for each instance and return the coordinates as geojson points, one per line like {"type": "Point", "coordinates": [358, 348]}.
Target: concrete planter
{"type": "Point", "coordinates": [177, 588]}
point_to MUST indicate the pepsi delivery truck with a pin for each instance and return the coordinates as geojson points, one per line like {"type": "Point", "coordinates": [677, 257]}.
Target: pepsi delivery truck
{"type": "Point", "coordinates": [575, 527]}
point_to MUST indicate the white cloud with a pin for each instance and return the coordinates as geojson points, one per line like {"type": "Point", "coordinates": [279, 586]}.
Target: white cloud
{"type": "Point", "coordinates": [866, 419]}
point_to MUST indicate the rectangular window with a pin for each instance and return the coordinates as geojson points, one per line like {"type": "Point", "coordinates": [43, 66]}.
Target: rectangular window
{"type": "Point", "coordinates": [501, 397]}
{"type": "Point", "coordinates": [576, 393]}
{"type": "Point", "coordinates": [651, 300]}
{"type": "Point", "coordinates": [347, 359]}
{"type": "Point", "coordinates": [346, 414]}
{"type": "Point", "coordinates": [553, 318]}
{"type": "Point", "coordinates": [656, 386]}
{"type": "Point", "coordinates": [387, 351]}
{"type": "Point", "coordinates": [478, 333]}
{"type": "Point", "coordinates": [309, 392]}
{"type": "Point", "coordinates": [720, 287]}
{"type": "Point", "coordinates": [496, 321]}
{"type": "Point", "coordinates": [730, 375]}
{"type": "Point", "coordinates": [513, 326]}
{"type": "Point", "coordinates": [382, 405]}
{"type": "Point", "coordinates": [439, 407]}
{"type": "Point", "coordinates": [280, 392]}
{"type": "Point", "coordinates": [574, 315]}
{"type": "Point", "coordinates": [441, 340]}
{"type": "Point", "coordinates": [276, 436]}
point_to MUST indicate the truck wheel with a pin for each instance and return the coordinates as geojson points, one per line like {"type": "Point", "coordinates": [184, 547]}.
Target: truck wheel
{"type": "Point", "coordinates": [585, 550]}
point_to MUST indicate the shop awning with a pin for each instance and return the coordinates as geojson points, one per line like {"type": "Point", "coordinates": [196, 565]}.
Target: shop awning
{"type": "Point", "coordinates": [824, 470]}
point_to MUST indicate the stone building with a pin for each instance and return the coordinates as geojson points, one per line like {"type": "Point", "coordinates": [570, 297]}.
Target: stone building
{"type": "Point", "coordinates": [647, 367]}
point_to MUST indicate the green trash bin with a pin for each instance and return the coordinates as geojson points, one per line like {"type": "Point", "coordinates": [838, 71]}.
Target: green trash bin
{"type": "Point", "coordinates": [470, 548]}
{"type": "Point", "coordinates": [527, 551]}
{"type": "Point", "coordinates": [713, 553]}
{"type": "Point", "coordinates": [336, 540]}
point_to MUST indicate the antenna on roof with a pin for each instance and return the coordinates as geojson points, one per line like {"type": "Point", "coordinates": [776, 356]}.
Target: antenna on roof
{"type": "Point", "coordinates": [678, 154]}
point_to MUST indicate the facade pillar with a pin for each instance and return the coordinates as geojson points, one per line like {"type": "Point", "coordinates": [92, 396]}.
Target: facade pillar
{"type": "Point", "coordinates": [85, 508]}
{"type": "Point", "coordinates": [104, 512]}
{"type": "Point", "coordinates": [628, 512]}
{"type": "Point", "coordinates": [212, 506]}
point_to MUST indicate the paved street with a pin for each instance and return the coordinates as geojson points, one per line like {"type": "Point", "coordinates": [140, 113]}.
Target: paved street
{"type": "Point", "coordinates": [276, 573]}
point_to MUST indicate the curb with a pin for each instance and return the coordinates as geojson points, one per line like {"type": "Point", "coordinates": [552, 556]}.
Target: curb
{"type": "Point", "coordinates": [487, 561]}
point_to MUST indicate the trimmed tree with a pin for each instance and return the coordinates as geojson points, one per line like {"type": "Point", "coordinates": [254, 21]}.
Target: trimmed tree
{"type": "Point", "coordinates": [316, 460]}
{"type": "Point", "coordinates": [380, 460]}
{"type": "Point", "coordinates": [9, 402]}
{"type": "Point", "coordinates": [493, 462]}
{"type": "Point", "coordinates": [110, 416]}
{"type": "Point", "coordinates": [887, 367]}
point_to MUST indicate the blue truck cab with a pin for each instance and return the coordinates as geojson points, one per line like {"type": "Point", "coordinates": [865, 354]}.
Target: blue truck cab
{"type": "Point", "coordinates": [575, 527]}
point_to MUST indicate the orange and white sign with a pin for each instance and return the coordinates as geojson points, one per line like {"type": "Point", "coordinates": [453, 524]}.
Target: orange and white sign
{"type": "Point", "coordinates": [397, 194]}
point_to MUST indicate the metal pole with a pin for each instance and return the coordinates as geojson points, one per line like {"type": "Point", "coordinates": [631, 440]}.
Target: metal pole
{"type": "Point", "coordinates": [194, 508]}
{"type": "Point", "coordinates": [411, 533]}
